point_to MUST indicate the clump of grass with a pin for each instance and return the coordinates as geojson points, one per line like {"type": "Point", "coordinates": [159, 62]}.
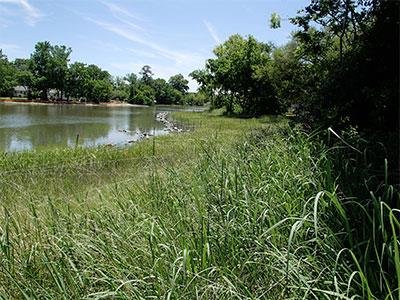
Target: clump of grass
{"type": "Point", "coordinates": [238, 208]}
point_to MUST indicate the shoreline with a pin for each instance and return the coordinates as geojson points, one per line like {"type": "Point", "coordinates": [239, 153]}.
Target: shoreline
{"type": "Point", "coordinates": [43, 102]}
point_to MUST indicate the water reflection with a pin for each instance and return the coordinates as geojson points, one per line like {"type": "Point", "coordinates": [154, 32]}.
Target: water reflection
{"type": "Point", "coordinates": [24, 126]}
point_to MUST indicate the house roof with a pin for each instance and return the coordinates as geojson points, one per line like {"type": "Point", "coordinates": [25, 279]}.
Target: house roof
{"type": "Point", "coordinates": [20, 88]}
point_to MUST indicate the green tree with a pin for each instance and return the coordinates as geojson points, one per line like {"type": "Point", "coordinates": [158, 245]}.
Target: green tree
{"type": "Point", "coordinates": [23, 74]}
{"type": "Point", "coordinates": [88, 82]}
{"type": "Point", "coordinates": [59, 67]}
{"type": "Point", "coordinates": [239, 77]}
{"type": "Point", "coordinates": [147, 74]}
{"type": "Point", "coordinates": [100, 90]}
{"type": "Point", "coordinates": [198, 98]}
{"type": "Point", "coordinates": [98, 87]}
{"type": "Point", "coordinates": [179, 83]}
{"type": "Point", "coordinates": [205, 81]}
{"type": "Point", "coordinates": [164, 93]}
{"type": "Point", "coordinates": [351, 57]}
{"type": "Point", "coordinates": [132, 85]}
{"type": "Point", "coordinates": [144, 95]}
{"type": "Point", "coordinates": [49, 65]}
{"type": "Point", "coordinates": [275, 21]}
{"type": "Point", "coordinates": [76, 80]}
{"type": "Point", "coordinates": [7, 76]}
{"type": "Point", "coordinates": [289, 76]}
{"type": "Point", "coordinates": [120, 89]}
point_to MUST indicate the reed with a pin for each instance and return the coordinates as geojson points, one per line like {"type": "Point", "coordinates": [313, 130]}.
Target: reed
{"type": "Point", "coordinates": [236, 209]}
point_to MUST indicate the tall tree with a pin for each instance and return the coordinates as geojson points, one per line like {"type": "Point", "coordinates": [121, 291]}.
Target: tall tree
{"type": "Point", "coordinates": [59, 64]}
{"type": "Point", "coordinates": [98, 87]}
{"type": "Point", "coordinates": [144, 94]}
{"type": "Point", "coordinates": [77, 80]}
{"type": "Point", "coordinates": [179, 83]}
{"type": "Point", "coordinates": [120, 89]}
{"type": "Point", "coordinates": [41, 66]}
{"type": "Point", "coordinates": [132, 85]}
{"type": "Point", "coordinates": [147, 74]}
{"type": "Point", "coordinates": [7, 76]}
{"type": "Point", "coordinates": [24, 76]}
{"type": "Point", "coordinates": [165, 93]}
{"type": "Point", "coordinates": [354, 44]}
{"type": "Point", "coordinates": [49, 65]}
{"type": "Point", "coordinates": [239, 76]}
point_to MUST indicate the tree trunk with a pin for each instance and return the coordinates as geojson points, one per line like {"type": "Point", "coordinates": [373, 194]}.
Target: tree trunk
{"type": "Point", "coordinates": [44, 94]}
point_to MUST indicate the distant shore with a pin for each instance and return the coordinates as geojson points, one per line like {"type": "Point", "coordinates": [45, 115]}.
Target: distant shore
{"type": "Point", "coordinates": [49, 102]}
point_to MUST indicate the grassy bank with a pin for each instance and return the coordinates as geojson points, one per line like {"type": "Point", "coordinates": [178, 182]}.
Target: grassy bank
{"type": "Point", "coordinates": [236, 209]}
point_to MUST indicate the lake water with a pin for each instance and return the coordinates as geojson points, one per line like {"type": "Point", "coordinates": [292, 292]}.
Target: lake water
{"type": "Point", "coordinates": [26, 126]}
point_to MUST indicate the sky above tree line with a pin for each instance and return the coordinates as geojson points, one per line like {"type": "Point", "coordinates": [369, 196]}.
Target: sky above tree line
{"type": "Point", "coordinates": [172, 36]}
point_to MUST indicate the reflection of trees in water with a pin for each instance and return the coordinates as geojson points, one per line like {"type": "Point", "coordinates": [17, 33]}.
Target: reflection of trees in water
{"type": "Point", "coordinates": [9, 142]}
{"type": "Point", "coordinates": [50, 135]}
{"type": "Point", "coordinates": [144, 119]}
{"type": "Point", "coordinates": [27, 126]}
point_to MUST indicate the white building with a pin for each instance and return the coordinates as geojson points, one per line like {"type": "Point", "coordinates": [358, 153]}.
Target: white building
{"type": "Point", "coordinates": [20, 91]}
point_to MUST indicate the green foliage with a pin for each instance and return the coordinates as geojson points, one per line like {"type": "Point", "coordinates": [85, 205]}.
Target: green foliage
{"type": "Point", "coordinates": [147, 74]}
{"type": "Point", "coordinates": [148, 90]}
{"type": "Point", "coordinates": [144, 94]}
{"type": "Point", "coordinates": [288, 75]}
{"type": "Point", "coordinates": [120, 89]}
{"type": "Point", "coordinates": [163, 92]}
{"type": "Point", "coordinates": [275, 21]}
{"type": "Point", "coordinates": [59, 65]}
{"type": "Point", "coordinates": [99, 90]}
{"type": "Point", "coordinates": [132, 82]}
{"type": "Point", "coordinates": [239, 77]}
{"type": "Point", "coordinates": [49, 66]}
{"type": "Point", "coordinates": [179, 83]}
{"type": "Point", "coordinates": [198, 99]}
{"type": "Point", "coordinates": [352, 59]}
{"type": "Point", "coordinates": [48, 69]}
{"type": "Point", "coordinates": [76, 80]}
{"type": "Point", "coordinates": [7, 76]}
{"type": "Point", "coordinates": [24, 75]}
{"type": "Point", "coordinates": [89, 83]}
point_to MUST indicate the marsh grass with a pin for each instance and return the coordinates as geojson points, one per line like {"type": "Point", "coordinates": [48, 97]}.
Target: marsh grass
{"type": "Point", "coordinates": [237, 209]}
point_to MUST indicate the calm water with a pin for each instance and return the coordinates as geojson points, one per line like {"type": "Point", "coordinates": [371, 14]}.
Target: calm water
{"type": "Point", "coordinates": [25, 127]}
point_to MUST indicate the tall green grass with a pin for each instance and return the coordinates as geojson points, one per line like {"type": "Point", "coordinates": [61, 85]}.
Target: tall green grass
{"type": "Point", "coordinates": [237, 209]}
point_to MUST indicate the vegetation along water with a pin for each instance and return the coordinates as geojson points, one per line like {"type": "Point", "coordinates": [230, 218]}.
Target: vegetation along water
{"type": "Point", "coordinates": [30, 126]}
{"type": "Point", "coordinates": [286, 187]}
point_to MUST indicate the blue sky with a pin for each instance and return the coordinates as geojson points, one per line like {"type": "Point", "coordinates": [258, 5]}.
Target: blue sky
{"type": "Point", "coordinates": [172, 36]}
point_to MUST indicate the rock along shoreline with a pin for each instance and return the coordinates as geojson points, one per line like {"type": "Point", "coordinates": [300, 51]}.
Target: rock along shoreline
{"type": "Point", "coordinates": [162, 117]}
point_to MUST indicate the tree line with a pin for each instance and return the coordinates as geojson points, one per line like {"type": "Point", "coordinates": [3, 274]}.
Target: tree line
{"type": "Point", "coordinates": [49, 69]}
{"type": "Point", "coordinates": [340, 67]}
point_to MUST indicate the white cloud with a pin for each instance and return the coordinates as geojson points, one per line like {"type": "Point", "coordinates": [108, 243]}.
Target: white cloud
{"type": "Point", "coordinates": [13, 51]}
{"type": "Point", "coordinates": [212, 32]}
{"type": "Point", "coordinates": [133, 28]}
{"type": "Point", "coordinates": [142, 53]}
{"type": "Point", "coordinates": [180, 58]}
{"type": "Point", "coordinates": [32, 14]}
{"type": "Point", "coordinates": [106, 45]}
{"type": "Point", "coordinates": [114, 8]}
{"type": "Point", "coordinates": [7, 47]}
{"type": "Point", "coordinates": [121, 14]}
